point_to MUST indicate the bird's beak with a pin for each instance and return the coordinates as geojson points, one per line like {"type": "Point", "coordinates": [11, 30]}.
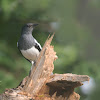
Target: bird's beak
{"type": "Point", "coordinates": [35, 24]}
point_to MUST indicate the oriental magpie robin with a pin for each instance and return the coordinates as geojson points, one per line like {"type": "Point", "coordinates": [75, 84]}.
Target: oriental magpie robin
{"type": "Point", "coordinates": [27, 44]}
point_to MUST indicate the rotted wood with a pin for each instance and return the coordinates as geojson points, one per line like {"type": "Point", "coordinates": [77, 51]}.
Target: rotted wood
{"type": "Point", "coordinates": [41, 85]}
{"type": "Point", "coordinates": [43, 69]}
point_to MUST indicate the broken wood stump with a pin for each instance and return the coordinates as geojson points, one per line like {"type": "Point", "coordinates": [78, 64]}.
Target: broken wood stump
{"type": "Point", "coordinates": [41, 85]}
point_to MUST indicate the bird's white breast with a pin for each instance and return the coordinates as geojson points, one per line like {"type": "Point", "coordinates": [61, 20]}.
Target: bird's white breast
{"type": "Point", "coordinates": [30, 54]}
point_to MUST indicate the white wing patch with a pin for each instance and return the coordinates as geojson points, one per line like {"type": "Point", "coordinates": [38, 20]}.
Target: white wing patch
{"type": "Point", "coordinates": [38, 43]}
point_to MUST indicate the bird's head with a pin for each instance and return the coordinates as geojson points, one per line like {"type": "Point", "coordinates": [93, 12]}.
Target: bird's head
{"type": "Point", "coordinates": [28, 28]}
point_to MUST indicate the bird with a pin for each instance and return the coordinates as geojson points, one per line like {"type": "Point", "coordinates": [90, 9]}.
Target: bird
{"type": "Point", "coordinates": [27, 44]}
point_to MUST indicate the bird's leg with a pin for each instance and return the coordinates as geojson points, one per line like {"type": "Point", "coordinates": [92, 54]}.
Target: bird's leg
{"type": "Point", "coordinates": [29, 72]}
{"type": "Point", "coordinates": [32, 62]}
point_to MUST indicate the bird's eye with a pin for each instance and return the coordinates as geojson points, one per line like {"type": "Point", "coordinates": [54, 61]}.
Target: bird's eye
{"type": "Point", "coordinates": [29, 26]}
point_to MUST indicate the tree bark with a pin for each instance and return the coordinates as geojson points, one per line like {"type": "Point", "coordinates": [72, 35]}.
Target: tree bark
{"type": "Point", "coordinates": [41, 85]}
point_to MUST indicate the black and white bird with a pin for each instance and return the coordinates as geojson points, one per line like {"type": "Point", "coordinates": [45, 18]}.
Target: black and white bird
{"type": "Point", "coordinates": [27, 44]}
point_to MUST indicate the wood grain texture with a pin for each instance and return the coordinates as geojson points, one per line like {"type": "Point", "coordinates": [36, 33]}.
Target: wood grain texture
{"type": "Point", "coordinates": [41, 85]}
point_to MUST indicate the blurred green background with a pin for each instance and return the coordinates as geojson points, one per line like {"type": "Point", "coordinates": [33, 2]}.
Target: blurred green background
{"type": "Point", "coordinates": [77, 39]}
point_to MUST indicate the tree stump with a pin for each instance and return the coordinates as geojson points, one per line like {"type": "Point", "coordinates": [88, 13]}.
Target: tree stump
{"type": "Point", "coordinates": [41, 85]}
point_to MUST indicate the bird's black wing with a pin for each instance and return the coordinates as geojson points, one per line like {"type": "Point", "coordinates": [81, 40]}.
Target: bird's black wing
{"type": "Point", "coordinates": [38, 47]}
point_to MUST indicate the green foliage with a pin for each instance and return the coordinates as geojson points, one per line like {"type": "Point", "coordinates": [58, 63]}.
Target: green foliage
{"type": "Point", "coordinates": [7, 79]}
{"type": "Point", "coordinates": [67, 56]}
{"type": "Point", "coordinates": [22, 9]}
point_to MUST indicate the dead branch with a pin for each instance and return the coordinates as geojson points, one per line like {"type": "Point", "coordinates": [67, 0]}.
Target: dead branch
{"type": "Point", "coordinates": [41, 85]}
